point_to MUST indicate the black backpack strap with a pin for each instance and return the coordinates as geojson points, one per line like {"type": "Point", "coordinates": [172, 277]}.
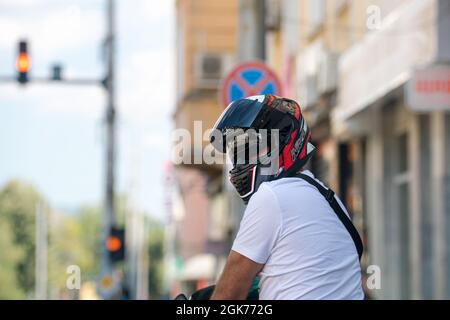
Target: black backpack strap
{"type": "Point", "coordinates": [329, 196]}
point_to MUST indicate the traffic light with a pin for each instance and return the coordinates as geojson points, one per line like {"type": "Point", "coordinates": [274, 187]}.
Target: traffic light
{"type": "Point", "coordinates": [115, 244]}
{"type": "Point", "coordinates": [23, 63]}
{"type": "Point", "coordinates": [56, 72]}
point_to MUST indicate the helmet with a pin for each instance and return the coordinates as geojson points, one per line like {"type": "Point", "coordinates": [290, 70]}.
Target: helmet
{"type": "Point", "coordinates": [270, 127]}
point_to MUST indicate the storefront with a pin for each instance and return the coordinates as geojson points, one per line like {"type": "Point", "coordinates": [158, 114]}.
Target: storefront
{"type": "Point", "coordinates": [402, 140]}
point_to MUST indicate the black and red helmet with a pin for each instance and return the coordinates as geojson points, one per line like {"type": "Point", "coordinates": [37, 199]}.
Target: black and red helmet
{"type": "Point", "coordinates": [271, 126]}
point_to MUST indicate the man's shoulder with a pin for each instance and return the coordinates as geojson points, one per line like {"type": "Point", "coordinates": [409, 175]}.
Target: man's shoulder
{"type": "Point", "coordinates": [286, 190]}
{"type": "Point", "coordinates": [285, 185]}
{"type": "Point", "coordinates": [265, 193]}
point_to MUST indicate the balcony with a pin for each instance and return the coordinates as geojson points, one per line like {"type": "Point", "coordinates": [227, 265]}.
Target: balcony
{"type": "Point", "coordinates": [385, 58]}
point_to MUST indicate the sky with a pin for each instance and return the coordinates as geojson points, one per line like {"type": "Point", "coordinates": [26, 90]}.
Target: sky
{"type": "Point", "coordinates": [52, 135]}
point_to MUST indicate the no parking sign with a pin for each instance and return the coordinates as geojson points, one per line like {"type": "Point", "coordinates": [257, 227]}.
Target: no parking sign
{"type": "Point", "coordinates": [249, 79]}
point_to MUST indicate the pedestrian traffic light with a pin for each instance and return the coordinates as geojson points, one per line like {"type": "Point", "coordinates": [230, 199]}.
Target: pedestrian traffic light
{"type": "Point", "coordinates": [23, 63]}
{"type": "Point", "coordinates": [115, 244]}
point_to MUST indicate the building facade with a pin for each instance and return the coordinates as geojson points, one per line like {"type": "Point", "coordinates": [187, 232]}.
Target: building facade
{"type": "Point", "coordinates": [404, 148]}
{"type": "Point", "coordinates": [199, 221]}
{"type": "Point", "coordinates": [372, 78]}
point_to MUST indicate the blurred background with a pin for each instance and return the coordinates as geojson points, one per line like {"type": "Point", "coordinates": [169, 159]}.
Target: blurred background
{"type": "Point", "coordinates": [91, 204]}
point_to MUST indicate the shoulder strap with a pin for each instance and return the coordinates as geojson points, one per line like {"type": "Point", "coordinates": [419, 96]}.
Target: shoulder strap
{"type": "Point", "coordinates": [329, 196]}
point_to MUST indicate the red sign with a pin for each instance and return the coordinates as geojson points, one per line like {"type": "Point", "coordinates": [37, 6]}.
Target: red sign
{"type": "Point", "coordinates": [429, 89]}
{"type": "Point", "coordinates": [249, 79]}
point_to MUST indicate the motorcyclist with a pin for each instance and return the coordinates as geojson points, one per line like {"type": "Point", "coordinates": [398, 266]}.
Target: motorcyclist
{"type": "Point", "coordinates": [295, 234]}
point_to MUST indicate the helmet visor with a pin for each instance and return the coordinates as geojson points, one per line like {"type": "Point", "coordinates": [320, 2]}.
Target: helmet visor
{"type": "Point", "coordinates": [239, 114]}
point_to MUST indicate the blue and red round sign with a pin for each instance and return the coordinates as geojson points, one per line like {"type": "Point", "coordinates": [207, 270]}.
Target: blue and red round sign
{"type": "Point", "coordinates": [249, 79]}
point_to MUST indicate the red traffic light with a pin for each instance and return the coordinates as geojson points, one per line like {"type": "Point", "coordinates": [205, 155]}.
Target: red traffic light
{"type": "Point", "coordinates": [23, 62]}
{"type": "Point", "coordinates": [113, 243]}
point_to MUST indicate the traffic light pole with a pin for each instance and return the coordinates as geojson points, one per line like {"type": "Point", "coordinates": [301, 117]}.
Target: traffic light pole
{"type": "Point", "coordinates": [76, 82]}
{"type": "Point", "coordinates": [108, 218]}
{"type": "Point", "coordinates": [108, 84]}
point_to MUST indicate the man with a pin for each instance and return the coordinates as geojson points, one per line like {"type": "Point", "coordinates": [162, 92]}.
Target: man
{"type": "Point", "coordinates": [295, 234]}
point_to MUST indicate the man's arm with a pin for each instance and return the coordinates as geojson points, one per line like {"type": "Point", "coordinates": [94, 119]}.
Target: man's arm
{"type": "Point", "coordinates": [257, 235]}
{"type": "Point", "coordinates": [236, 278]}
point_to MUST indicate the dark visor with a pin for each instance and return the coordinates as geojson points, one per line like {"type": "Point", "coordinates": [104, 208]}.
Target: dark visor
{"type": "Point", "coordinates": [239, 114]}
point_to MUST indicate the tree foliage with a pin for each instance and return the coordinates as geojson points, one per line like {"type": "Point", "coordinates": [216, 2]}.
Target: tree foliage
{"type": "Point", "coordinates": [155, 245]}
{"type": "Point", "coordinates": [17, 213]}
{"type": "Point", "coordinates": [10, 256]}
{"type": "Point", "coordinates": [73, 239]}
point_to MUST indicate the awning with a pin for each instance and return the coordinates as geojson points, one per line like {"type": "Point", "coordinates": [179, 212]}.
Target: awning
{"type": "Point", "coordinates": [203, 266]}
{"type": "Point", "coordinates": [385, 58]}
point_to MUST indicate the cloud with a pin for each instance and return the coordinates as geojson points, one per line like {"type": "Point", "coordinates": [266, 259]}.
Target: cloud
{"type": "Point", "coordinates": [63, 29]}
{"type": "Point", "coordinates": [145, 82]}
{"type": "Point", "coordinates": [145, 73]}
{"type": "Point", "coordinates": [15, 4]}
{"type": "Point", "coordinates": [146, 77]}
{"type": "Point", "coordinates": [147, 87]}
{"type": "Point", "coordinates": [153, 11]}
{"type": "Point", "coordinates": [89, 102]}
{"type": "Point", "coordinates": [155, 140]}
{"type": "Point", "coordinates": [157, 8]}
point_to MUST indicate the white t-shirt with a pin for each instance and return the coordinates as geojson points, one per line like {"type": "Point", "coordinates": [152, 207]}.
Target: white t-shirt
{"type": "Point", "coordinates": [307, 253]}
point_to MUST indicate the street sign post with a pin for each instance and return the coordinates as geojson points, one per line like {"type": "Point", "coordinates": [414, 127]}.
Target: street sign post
{"type": "Point", "coordinates": [249, 79]}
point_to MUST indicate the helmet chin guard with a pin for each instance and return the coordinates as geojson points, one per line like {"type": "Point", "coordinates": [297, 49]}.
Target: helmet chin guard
{"type": "Point", "coordinates": [243, 178]}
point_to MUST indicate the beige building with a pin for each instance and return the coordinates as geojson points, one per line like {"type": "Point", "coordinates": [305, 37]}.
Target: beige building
{"type": "Point", "coordinates": [370, 76]}
{"type": "Point", "coordinates": [206, 42]}
{"type": "Point", "coordinates": [403, 136]}
{"type": "Point", "coordinates": [304, 42]}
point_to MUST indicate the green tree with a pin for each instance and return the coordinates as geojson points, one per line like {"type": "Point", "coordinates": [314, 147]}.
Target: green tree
{"type": "Point", "coordinates": [10, 256]}
{"type": "Point", "coordinates": [155, 247]}
{"type": "Point", "coordinates": [75, 240]}
{"type": "Point", "coordinates": [17, 210]}
{"type": "Point", "coordinates": [89, 219]}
